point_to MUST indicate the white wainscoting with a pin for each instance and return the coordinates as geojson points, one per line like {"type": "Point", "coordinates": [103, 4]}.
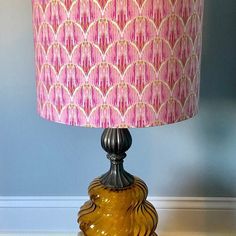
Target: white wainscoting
{"type": "Point", "coordinates": [177, 216]}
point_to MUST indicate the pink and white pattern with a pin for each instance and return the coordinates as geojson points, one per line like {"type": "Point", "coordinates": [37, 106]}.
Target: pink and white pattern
{"type": "Point", "coordinates": [117, 63]}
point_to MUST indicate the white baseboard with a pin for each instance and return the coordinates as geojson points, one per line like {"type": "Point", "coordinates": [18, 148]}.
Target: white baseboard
{"type": "Point", "coordinates": [204, 216]}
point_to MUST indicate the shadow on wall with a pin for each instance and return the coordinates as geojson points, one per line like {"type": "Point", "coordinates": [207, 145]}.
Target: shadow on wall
{"type": "Point", "coordinates": [218, 95]}
{"type": "Point", "coordinates": [219, 51]}
{"type": "Point", "coordinates": [218, 135]}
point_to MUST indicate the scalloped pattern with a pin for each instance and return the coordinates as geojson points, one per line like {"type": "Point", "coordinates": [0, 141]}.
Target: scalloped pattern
{"type": "Point", "coordinates": [117, 63]}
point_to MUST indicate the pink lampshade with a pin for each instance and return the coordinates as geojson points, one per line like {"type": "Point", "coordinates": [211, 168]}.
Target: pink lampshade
{"type": "Point", "coordinates": [117, 63]}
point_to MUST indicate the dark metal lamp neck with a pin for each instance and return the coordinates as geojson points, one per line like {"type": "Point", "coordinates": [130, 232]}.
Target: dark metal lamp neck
{"type": "Point", "coordinates": [116, 142]}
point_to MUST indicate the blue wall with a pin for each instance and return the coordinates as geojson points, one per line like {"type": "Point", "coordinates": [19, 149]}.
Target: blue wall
{"type": "Point", "coordinates": [192, 158]}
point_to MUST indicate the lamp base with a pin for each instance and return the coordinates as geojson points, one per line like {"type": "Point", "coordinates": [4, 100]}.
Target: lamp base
{"type": "Point", "coordinates": [117, 205]}
{"type": "Point", "coordinates": [122, 212]}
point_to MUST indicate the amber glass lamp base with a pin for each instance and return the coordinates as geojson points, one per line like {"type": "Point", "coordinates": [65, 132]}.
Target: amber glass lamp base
{"type": "Point", "coordinates": [117, 205]}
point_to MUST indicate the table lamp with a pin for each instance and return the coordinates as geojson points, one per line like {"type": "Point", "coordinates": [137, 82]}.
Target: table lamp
{"type": "Point", "coordinates": [117, 64]}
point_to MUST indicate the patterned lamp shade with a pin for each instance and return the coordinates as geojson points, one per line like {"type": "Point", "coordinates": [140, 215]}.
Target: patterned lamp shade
{"type": "Point", "coordinates": [117, 63]}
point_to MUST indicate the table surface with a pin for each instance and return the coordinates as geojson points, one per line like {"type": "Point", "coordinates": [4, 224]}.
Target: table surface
{"type": "Point", "coordinates": [79, 234]}
{"type": "Point", "coordinates": [160, 234]}
{"type": "Point", "coordinates": [41, 234]}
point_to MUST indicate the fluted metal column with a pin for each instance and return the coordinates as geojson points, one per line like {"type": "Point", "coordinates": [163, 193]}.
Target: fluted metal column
{"type": "Point", "coordinates": [116, 142]}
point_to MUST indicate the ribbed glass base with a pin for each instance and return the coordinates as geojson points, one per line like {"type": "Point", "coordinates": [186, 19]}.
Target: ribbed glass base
{"type": "Point", "coordinates": [118, 212]}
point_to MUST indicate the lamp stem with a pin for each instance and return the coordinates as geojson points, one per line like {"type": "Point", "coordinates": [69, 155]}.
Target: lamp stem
{"type": "Point", "coordinates": [116, 142]}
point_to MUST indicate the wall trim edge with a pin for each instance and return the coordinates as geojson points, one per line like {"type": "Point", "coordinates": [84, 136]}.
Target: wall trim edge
{"type": "Point", "coordinates": [59, 214]}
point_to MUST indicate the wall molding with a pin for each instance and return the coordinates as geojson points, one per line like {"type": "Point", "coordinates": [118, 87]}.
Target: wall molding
{"type": "Point", "coordinates": [217, 203]}
{"type": "Point", "coordinates": [176, 214]}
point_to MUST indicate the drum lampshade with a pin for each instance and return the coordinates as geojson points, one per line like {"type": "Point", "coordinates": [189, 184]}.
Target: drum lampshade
{"type": "Point", "coordinates": [117, 63]}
